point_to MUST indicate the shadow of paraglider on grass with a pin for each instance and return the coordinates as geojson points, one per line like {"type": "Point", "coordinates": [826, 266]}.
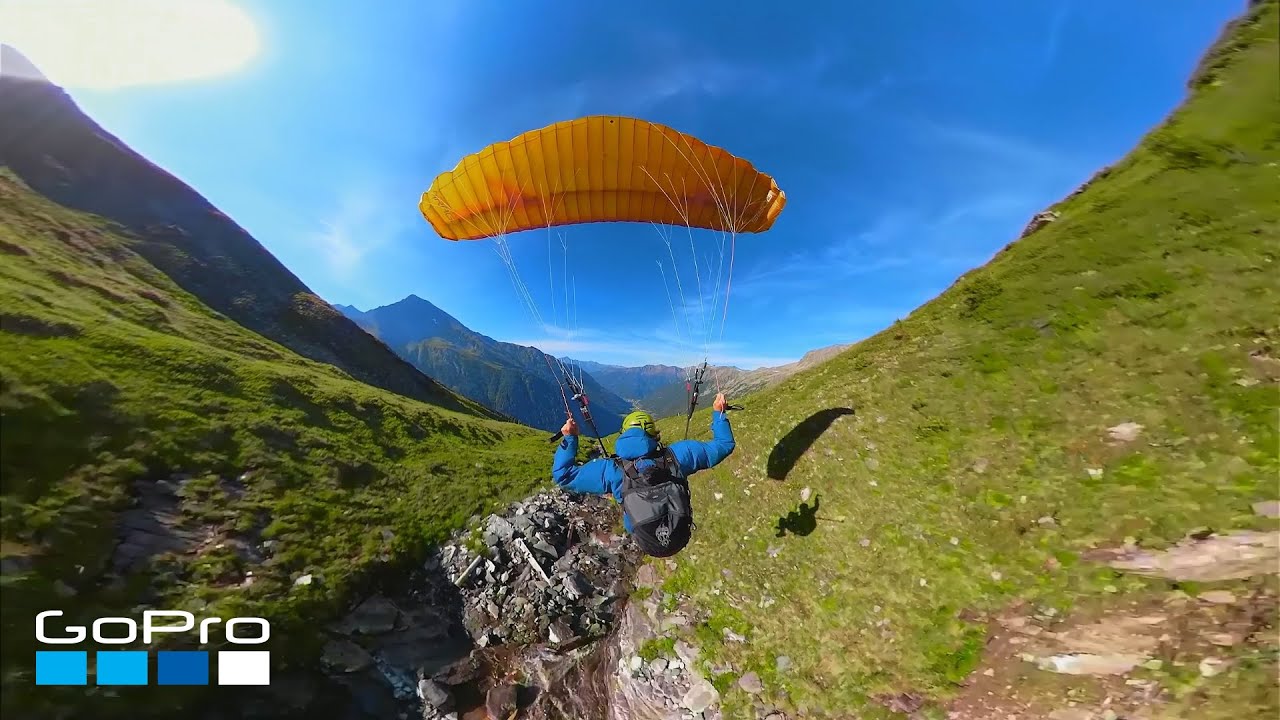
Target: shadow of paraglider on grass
{"type": "Point", "coordinates": [801, 521]}
{"type": "Point", "coordinates": [797, 442]}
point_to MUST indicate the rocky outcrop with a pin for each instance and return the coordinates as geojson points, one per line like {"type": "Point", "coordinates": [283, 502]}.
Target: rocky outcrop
{"type": "Point", "coordinates": [550, 571]}
{"type": "Point", "coordinates": [156, 525]}
{"type": "Point", "coordinates": [662, 687]}
{"type": "Point", "coordinates": [1040, 220]}
{"type": "Point", "coordinates": [152, 526]}
{"type": "Point", "coordinates": [526, 615]}
{"type": "Point", "coordinates": [516, 614]}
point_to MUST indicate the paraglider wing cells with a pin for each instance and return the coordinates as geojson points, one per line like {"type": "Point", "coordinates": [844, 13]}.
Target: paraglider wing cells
{"type": "Point", "coordinates": [600, 168]}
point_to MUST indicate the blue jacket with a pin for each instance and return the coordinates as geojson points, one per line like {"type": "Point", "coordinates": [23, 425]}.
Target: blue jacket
{"type": "Point", "coordinates": [602, 475]}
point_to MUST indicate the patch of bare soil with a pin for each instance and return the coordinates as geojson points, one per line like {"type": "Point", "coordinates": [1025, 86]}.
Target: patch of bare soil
{"type": "Point", "coordinates": [1210, 558]}
{"type": "Point", "coordinates": [1116, 662]}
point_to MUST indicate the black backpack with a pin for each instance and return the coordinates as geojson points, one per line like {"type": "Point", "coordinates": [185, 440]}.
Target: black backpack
{"type": "Point", "coordinates": [657, 500]}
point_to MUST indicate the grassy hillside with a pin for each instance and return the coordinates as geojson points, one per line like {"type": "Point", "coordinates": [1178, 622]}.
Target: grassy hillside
{"type": "Point", "coordinates": [975, 468]}
{"type": "Point", "coordinates": [116, 384]}
{"type": "Point", "coordinates": [62, 154]}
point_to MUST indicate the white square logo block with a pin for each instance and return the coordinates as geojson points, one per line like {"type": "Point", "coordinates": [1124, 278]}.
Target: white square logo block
{"type": "Point", "coordinates": [244, 667]}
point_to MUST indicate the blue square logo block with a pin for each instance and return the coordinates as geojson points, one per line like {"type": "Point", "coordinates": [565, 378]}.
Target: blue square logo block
{"type": "Point", "coordinates": [182, 667]}
{"type": "Point", "coordinates": [122, 667]}
{"type": "Point", "coordinates": [62, 667]}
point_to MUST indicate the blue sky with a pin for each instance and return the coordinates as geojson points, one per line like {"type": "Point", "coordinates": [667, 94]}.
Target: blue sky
{"type": "Point", "coordinates": [913, 139]}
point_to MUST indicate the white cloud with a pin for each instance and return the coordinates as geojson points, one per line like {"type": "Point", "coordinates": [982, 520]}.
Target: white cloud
{"type": "Point", "coordinates": [361, 222]}
{"type": "Point", "coordinates": [844, 261]}
{"type": "Point", "coordinates": [659, 347]}
{"type": "Point", "coordinates": [1056, 23]}
{"type": "Point", "coordinates": [681, 72]}
{"type": "Point", "coordinates": [113, 44]}
{"type": "Point", "coordinates": [900, 243]}
{"type": "Point", "coordinates": [1009, 148]}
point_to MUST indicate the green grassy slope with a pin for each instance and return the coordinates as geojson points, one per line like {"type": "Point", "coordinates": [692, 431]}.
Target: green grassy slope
{"type": "Point", "coordinates": [1153, 299]}
{"type": "Point", "coordinates": [62, 154]}
{"type": "Point", "coordinates": [110, 375]}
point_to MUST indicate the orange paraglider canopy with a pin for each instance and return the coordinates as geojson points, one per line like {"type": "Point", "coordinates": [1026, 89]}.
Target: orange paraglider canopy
{"type": "Point", "coordinates": [601, 168]}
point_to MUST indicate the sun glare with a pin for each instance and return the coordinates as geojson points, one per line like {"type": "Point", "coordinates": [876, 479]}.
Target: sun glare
{"type": "Point", "coordinates": [111, 44]}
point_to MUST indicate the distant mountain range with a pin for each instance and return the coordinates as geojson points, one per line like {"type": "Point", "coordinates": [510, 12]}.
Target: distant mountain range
{"type": "Point", "coordinates": [516, 380]}
{"type": "Point", "coordinates": [660, 389]}
{"type": "Point", "coordinates": [632, 383]}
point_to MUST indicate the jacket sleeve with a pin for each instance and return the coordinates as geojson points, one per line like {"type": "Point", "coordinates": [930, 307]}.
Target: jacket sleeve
{"type": "Point", "coordinates": [695, 455]}
{"type": "Point", "coordinates": [587, 478]}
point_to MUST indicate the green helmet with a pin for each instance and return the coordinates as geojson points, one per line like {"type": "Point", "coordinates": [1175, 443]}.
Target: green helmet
{"type": "Point", "coordinates": [642, 420]}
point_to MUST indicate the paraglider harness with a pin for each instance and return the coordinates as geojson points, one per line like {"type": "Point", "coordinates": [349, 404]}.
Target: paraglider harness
{"type": "Point", "coordinates": [656, 496]}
